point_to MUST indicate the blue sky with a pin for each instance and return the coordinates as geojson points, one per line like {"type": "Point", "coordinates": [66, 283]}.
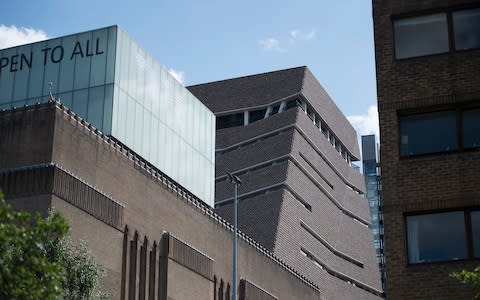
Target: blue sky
{"type": "Point", "coordinates": [212, 40]}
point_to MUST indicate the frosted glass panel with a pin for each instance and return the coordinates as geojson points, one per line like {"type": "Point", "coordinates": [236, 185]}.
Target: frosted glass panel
{"type": "Point", "coordinates": [36, 72]}
{"type": "Point", "coordinates": [98, 46]}
{"type": "Point", "coordinates": [67, 66]}
{"type": "Point", "coordinates": [21, 73]}
{"type": "Point", "coordinates": [95, 106]}
{"type": "Point", "coordinates": [82, 55]}
{"type": "Point", "coordinates": [6, 75]}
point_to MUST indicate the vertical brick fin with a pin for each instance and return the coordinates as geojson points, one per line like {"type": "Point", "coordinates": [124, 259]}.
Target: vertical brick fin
{"type": "Point", "coordinates": [125, 262]}
{"type": "Point", "coordinates": [99, 205]}
{"type": "Point", "coordinates": [51, 179]}
{"type": "Point", "coordinates": [21, 182]}
{"type": "Point", "coordinates": [214, 287]}
{"type": "Point", "coordinates": [143, 270]}
{"type": "Point", "coordinates": [190, 257]}
{"type": "Point", "coordinates": [141, 266]}
{"type": "Point", "coordinates": [220, 290]}
{"type": "Point", "coordinates": [152, 272]}
{"type": "Point", "coordinates": [250, 291]}
{"type": "Point", "coordinates": [163, 267]}
{"type": "Point", "coordinates": [227, 291]}
{"type": "Point", "coordinates": [132, 276]}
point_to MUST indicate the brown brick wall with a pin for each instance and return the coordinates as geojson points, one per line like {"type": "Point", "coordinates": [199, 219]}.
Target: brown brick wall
{"type": "Point", "coordinates": [431, 182]}
{"type": "Point", "coordinates": [151, 207]}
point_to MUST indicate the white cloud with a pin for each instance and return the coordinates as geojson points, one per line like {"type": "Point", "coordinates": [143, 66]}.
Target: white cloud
{"type": "Point", "coordinates": [179, 75]}
{"type": "Point", "coordinates": [301, 35]}
{"type": "Point", "coordinates": [11, 36]}
{"type": "Point", "coordinates": [367, 123]}
{"type": "Point", "coordinates": [271, 44]}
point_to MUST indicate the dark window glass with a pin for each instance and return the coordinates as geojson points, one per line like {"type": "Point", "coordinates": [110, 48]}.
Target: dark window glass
{"type": "Point", "coordinates": [292, 103]}
{"type": "Point", "coordinates": [471, 128]}
{"type": "Point", "coordinates": [337, 145]}
{"type": "Point", "coordinates": [421, 35]}
{"type": "Point", "coordinates": [324, 129]}
{"type": "Point", "coordinates": [256, 115]}
{"type": "Point", "coordinates": [476, 232]}
{"type": "Point", "coordinates": [436, 237]}
{"type": "Point", "coordinates": [230, 121]}
{"type": "Point", "coordinates": [311, 113]}
{"type": "Point", "coordinates": [275, 109]}
{"type": "Point", "coordinates": [428, 133]}
{"type": "Point", "coordinates": [466, 26]}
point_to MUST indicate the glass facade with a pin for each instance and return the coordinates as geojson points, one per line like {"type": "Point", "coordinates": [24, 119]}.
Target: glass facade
{"type": "Point", "coordinates": [79, 67]}
{"type": "Point", "coordinates": [107, 79]}
{"type": "Point", "coordinates": [369, 160]}
{"type": "Point", "coordinates": [371, 173]}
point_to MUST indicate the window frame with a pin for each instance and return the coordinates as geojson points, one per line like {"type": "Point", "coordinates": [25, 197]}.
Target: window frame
{"type": "Point", "coordinates": [458, 110]}
{"type": "Point", "coordinates": [467, 211]}
{"type": "Point", "coordinates": [450, 29]}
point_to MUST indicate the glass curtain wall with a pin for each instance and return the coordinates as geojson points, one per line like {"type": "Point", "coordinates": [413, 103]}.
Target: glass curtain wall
{"type": "Point", "coordinates": [107, 79]}
{"type": "Point", "coordinates": [78, 69]}
{"type": "Point", "coordinates": [162, 121]}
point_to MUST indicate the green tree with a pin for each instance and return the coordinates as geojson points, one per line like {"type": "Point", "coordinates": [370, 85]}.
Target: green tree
{"type": "Point", "coordinates": [471, 278]}
{"type": "Point", "coordinates": [39, 261]}
{"type": "Point", "coordinates": [82, 281]}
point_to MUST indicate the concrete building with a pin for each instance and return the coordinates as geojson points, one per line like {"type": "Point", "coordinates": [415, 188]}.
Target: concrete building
{"type": "Point", "coordinates": [371, 173]}
{"type": "Point", "coordinates": [292, 148]}
{"type": "Point", "coordinates": [428, 82]}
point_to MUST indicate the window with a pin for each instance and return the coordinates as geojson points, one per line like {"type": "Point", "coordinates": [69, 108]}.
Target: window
{"type": "Point", "coordinates": [422, 35]}
{"type": "Point", "coordinates": [275, 109]}
{"type": "Point", "coordinates": [436, 237]}
{"type": "Point", "coordinates": [311, 113]}
{"type": "Point", "coordinates": [466, 26]}
{"type": "Point", "coordinates": [437, 33]}
{"type": "Point", "coordinates": [428, 133]}
{"type": "Point", "coordinates": [471, 128]}
{"type": "Point", "coordinates": [292, 103]}
{"type": "Point", "coordinates": [256, 115]}
{"type": "Point", "coordinates": [439, 131]}
{"type": "Point", "coordinates": [324, 129]}
{"type": "Point", "coordinates": [230, 121]}
{"type": "Point", "coordinates": [475, 219]}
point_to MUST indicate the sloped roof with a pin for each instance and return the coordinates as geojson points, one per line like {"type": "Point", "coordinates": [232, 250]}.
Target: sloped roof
{"type": "Point", "coordinates": [262, 89]}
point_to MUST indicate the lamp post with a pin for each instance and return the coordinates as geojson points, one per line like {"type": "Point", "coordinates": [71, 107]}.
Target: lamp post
{"type": "Point", "coordinates": [236, 182]}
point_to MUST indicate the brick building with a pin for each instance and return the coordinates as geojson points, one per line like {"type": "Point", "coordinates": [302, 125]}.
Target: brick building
{"type": "Point", "coordinates": [153, 237]}
{"type": "Point", "coordinates": [127, 155]}
{"type": "Point", "coordinates": [428, 84]}
{"type": "Point", "coordinates": [292, 147]}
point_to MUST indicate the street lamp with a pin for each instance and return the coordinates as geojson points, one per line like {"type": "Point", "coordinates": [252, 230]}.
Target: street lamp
{"type": "Point", "coordinates": [236, 182]}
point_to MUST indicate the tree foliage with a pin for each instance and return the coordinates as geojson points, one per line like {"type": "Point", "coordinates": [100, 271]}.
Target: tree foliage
{"type": "Point", "coordinates": [39, 261]}
{"type": "Point", "coordinates": [471, 278]}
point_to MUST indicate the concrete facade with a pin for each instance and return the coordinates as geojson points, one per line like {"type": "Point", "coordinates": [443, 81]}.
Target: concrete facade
{"type": "Point", "coordinates": [300, 196]}
{"type": "Point", "coordinates": [434, 182]}
{"type": "Point", "coordinates": [154, 238]}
